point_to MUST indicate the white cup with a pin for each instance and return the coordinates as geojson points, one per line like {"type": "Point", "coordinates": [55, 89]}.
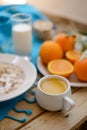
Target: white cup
{"type": "Point", "coordinates": [55, 102]}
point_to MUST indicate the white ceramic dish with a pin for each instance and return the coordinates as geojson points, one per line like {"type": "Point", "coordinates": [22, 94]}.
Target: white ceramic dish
{"type": "Point", "coordinates": [29, 70]}
{"type": "Point", "coordinates": [74, 81]}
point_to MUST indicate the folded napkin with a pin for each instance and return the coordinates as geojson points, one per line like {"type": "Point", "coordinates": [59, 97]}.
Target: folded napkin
{"type": "Point", "coordinates": [6, 46]}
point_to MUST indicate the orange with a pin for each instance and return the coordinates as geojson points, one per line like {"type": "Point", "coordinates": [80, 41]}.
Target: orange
{"type": "Point", "coordinates": [49, 51]}
{"type": "Point", "coordinates": [65, 41]}
{"type": "Point", "coordinates": [60, 67]}
{"type": "Point", "coordinates": [73, 55]}
{"type": "Point", "coordinates": [80, 68]}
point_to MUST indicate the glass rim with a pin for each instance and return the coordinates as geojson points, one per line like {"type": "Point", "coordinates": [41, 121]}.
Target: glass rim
{"type": "Point", "coordinates": [19, 19]}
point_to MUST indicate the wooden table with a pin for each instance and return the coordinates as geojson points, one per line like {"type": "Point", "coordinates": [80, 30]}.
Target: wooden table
{"type": "Point", "coordinates": [45, 120]}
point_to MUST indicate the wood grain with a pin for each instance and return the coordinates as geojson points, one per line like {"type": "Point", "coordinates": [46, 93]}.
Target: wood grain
{"type": "Point", "coordinates": [55, 120]}
{"type": "Point", "coordinates": [37, 111]}
{"type": "Point", "coordinates": [22, 105]}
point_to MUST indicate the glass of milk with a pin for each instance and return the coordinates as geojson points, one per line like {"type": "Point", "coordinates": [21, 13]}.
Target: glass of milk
{"type": "Point", "coordinates": [22, 34]}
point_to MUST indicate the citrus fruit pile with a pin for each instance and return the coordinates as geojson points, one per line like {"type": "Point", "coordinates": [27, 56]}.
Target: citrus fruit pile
{"type": "Point", "coordinates": [61, 58]}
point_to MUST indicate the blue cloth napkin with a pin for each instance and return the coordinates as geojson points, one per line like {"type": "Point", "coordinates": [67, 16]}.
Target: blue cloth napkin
{"type": "Point", "coordinates": [6, 46]}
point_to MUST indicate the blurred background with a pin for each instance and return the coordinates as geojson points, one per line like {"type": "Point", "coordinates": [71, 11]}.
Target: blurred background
{"type": "Point", "coordinates": [74, 10]}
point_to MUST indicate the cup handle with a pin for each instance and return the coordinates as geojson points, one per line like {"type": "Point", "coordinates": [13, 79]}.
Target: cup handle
{"type": "Point", "coordinates": [68, 104]}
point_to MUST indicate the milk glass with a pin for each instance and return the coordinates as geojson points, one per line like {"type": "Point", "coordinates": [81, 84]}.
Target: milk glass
{"type": "Point", "coordinates": [22, 34]}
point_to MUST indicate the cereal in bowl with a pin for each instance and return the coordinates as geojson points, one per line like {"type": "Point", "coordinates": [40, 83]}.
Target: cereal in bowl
{"type": "Point", "coordinates": [11, 77]}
